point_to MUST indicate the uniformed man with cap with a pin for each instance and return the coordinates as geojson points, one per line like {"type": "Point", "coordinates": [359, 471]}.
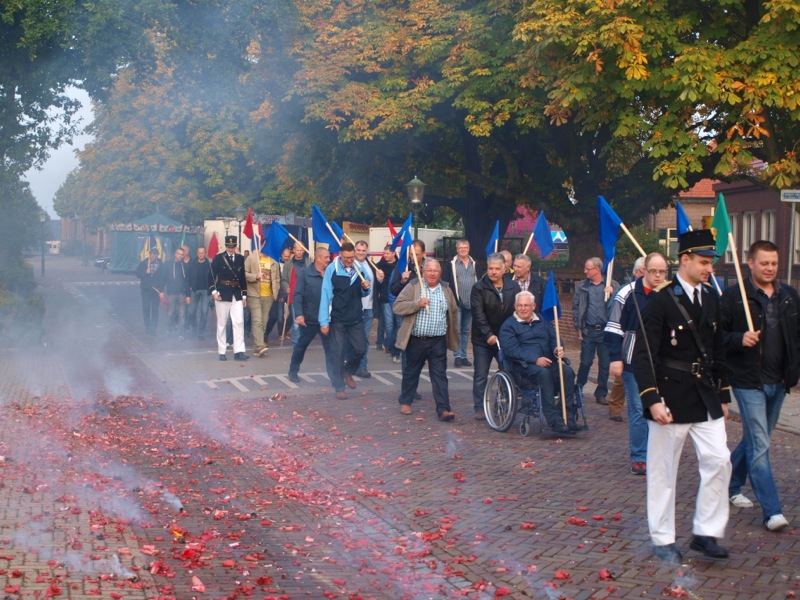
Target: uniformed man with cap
{"type": "Point", "coordinates": [680, 373]}
{"type": "Point", "coordinates": [230, 297]}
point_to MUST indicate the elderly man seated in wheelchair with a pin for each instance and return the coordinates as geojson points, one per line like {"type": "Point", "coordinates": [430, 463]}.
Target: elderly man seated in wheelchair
{"type": "Point", "coordinates": [528, 344]}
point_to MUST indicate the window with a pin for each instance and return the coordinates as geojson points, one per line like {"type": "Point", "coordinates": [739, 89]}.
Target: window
{"type": "Point", "coordinates": [670, 242]}
{"type": "Point", "coordinates": [748, 232]}
{"type": "Point", "coordinates": [734, 218]}
{"type": "Point", "coordinates": [768, 225]}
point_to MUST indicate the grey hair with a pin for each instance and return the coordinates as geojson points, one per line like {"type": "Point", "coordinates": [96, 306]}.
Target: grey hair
{"type": "Point", "coordinates": [525, 293]}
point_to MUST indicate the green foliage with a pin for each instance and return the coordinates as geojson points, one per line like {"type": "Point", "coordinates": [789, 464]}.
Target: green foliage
{"type": "Point", "coordinates": [627, 253]}
{"type": "Point", "coordinates": [20, 227]}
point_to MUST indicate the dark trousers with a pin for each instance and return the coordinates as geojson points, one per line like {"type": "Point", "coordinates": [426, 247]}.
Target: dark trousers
{"type": "Point", "coordinates": [150, 306]}
{"type": "Point", "coordinates": [593, 343]}
{"type": "Point", "coordinates": [433, 350]}
{"type": "Point", "coordinates": [482, 356]}
{"type": "Point", "coordinates": [340, 335]}
{"type": "Point", "coordinates": [549, 380]}
{"type": "Point", "coordinates": [307, 334]}
{"type": "Point", "coordinates": [275, 317]}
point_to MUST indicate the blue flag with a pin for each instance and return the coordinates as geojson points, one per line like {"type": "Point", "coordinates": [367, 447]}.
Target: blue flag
{"type": "Point", "coordinates": [684, 224]}
{"type": "Point", "coordinates": [402, 260]}
{"type": "Point", "coordinates": [542, 236]}
{"type": "Point", "coordinates": [551, 307]}
{"type": "Point", "coordinates": [404, 234]}
{"type": "Point", "coordinates": [322, 235]}
{"type": "Point", "coordinates": [491, 247]}
{"type": "Point", "coordinates": [277, 236]}
{"type": "Point", "coordinates": [337, 230]}
{"type": "Point", "coordinates": [609, 230]}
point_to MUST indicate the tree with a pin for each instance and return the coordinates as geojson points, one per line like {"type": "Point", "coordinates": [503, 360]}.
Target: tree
{"type": "Point", "coordinates": [702, 89]}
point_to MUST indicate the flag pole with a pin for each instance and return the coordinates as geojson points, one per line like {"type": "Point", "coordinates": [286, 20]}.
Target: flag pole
{"type": "Point", "coordinates": [528, 245]}
{"type": "Point", "coordinates": [748, 316]}
{"type": "Point", "coordinates": [560, 368]}
{"type": "Point", "coordinates": [609, 274]}
{"type": "Point", "coordinates": [336, 237]}
{"type": "Point", "coordinates": [632, 239]}
{"type": "Point", "coordinates": [301, 243]}
{"type": "Point", "coordinates": [421, 281]}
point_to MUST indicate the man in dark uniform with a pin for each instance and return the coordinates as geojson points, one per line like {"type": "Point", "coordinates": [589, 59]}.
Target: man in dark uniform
{"type": "Point", "coordinates": [684, 394]}
{"type": "Point", "coordinates": [230, 297]}
{"type": "Point", "coordinates": [147, 272]}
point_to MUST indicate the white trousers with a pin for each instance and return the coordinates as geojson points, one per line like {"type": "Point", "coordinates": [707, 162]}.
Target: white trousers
{"type": "Point", "coordinates": [236, 311]}
{"type": "Point", "coordinates": [664, 447]}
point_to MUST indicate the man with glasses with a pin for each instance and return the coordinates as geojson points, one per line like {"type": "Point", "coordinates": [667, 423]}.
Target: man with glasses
{"type": "Point", "coordinates": [590, 314]}
{"type": "Point", "coordinates": [620, 336]}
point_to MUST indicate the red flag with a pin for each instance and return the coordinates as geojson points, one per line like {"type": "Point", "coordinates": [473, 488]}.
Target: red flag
{"type": "Point", "coordinates": [393, 231]}
{"type": "Point", "coordinates": [213, 246]}
{"type": "Point", "coordinates": [248, 225]}
{"type": "Point", "coordinates": [292, 283]}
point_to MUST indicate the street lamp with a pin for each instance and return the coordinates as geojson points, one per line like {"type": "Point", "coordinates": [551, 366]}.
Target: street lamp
{"type": "Point", "coordinates": [239, 214]}
{"type": "Point", "coordinates": [416, 192]}
{"type": "Point", "coordinates": [43, 220]}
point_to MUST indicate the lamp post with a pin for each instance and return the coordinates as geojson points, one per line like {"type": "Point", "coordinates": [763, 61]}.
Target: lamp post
{"type": "Point", "coordinates": [416, 192]}
{"type": "Point", "coordinates": [239, 214]}
{"type": "Point", "coordinates": [43, 220]}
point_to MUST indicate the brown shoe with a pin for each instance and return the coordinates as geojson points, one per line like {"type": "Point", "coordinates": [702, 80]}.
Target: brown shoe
{"type": "Point", "coordinates": [479, 415]}
{"type": "Point", "coordinates": [405, 409]}
{"type": "Point", "coordinates": [601, 400]}
{"type": "Point", "coordinates": [446, 415]}
{"type": "Point", "coordinates": [348, 379]}
{"type": "Point", "coordinates": [341, 395]}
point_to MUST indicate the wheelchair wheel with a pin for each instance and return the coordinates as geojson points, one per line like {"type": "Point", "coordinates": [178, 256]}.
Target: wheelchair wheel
{"type": "Point", "coordinates": [524, 428]}
{"type": "Point", "coordinates": [500, 401]}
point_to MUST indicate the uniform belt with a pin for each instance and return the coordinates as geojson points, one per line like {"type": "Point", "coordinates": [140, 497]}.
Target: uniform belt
{"type": "Point", "coordinates": [230, 283]}
{"type": "Point", "coordinates": [429, 337]}
{"type": "Point", "coordinates": [596, 327]}
{"type": "Point", "coordinates": [695, 368]}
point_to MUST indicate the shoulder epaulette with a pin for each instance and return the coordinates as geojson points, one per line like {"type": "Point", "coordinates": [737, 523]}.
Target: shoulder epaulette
{"type": "Point", "coordinates": [663, 285]}
{"type": "Point", "coordinates": [708, 285]}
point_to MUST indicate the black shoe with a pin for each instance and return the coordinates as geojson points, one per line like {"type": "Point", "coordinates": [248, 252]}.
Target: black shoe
{"type": "Point", "coordinates": [241, 356]}
{"type": "Point", "coordinates": [575, 427]}
{"type": "Point", "coordinates": [561, 429]}
{"type": "Point", "coordinates": [601, 400]}
{"type": "Point", "coordinates": [668, 553]}
{"type": "Point", "coordinates": [708, 546]}
{"type": "Point", "coordinates": [363, 374]}
{"type": "Point", "coordinates": [293, 378]}
{"type": "Point", "coordinates": [223, 358]}
{"type": "Point", "coordinates": [417, 396]}
{"type": "Point", "coordinates": [458, 362]}
{"type": "Point", "coordinates": [465, 362]}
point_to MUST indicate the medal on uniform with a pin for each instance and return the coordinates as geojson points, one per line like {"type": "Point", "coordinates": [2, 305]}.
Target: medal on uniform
{"type": "Point", "coordinates": [673, 340]}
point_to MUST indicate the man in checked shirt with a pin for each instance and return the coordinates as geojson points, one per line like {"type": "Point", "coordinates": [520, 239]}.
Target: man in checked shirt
{"type": "Point", "coordinates": [429, 329]}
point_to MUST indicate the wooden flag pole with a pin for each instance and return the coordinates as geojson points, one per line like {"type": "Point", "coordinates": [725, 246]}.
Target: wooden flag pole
{"type": "Point", "coordinates": [419, 276]}
{"type": "Point", "coordinates": [632, 239]}
{"type": "Point", "coordinates": [609, 273]}
{"type": "Point", "coordinates": [301, 243]}
{"type": "Point", "coordinates": [560, 368]}
{"type": "Point", "coordinates": [528, 245]}
{"type": "Point", "coordinates": [748, 316]}
{"type": "Point", "coordinates": [358, 271]}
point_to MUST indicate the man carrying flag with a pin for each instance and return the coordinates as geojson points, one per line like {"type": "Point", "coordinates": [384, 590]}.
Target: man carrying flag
{"type": "Point", "coordinates": [147, 272]}
{"type": "Point", "coordinates": [263, 285]}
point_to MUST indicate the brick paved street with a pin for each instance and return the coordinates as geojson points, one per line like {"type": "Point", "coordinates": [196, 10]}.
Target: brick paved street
{"type": "Point", "coordinates": [136, 467]}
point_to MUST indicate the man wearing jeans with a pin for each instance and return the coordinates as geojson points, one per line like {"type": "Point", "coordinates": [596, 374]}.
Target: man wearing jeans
{"type": "Point", "coordinates": [590, 314]}
{"type": "Point", "coordinates": [619, 337]}
{"type": "Point", "coordinates": [763, 366]}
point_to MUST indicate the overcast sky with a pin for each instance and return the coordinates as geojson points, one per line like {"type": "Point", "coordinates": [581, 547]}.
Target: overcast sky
{"type": "Point", "coordinates": [45, 182]}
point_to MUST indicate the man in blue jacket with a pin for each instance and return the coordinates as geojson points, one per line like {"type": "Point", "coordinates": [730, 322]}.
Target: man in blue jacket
{"type": "Point", "coordinates": [340, 316]}
{"type": "Point", "coordinates": [619, 337]}
{"type": "Point", "coordinates": [529, 342]}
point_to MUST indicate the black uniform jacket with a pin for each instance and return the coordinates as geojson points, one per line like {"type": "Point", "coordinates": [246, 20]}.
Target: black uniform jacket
{"type": "Point", "coordinates": [229, 277]}
{"type": "Point", "coordinates": [690, 396]}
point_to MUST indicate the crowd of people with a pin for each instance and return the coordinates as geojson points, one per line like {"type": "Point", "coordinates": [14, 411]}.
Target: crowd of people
{"type": "Point", "coordinates": [676, 350]}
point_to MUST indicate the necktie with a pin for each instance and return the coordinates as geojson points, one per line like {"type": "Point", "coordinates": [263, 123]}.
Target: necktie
{"type": "Point", "coordinates": [697, 297]}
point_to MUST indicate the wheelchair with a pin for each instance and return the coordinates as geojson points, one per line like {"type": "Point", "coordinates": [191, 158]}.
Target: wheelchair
{"type": "Point", "coordinates": [508, 394]}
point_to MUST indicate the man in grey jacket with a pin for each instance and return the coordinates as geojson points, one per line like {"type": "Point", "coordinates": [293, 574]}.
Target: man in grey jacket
{"type": "Point", "coordinates": [589, 315]}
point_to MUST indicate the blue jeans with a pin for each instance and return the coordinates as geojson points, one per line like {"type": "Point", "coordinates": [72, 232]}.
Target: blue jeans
{"type": "Point", "coordinates": [593, 342]}
{"type": "Point", "coordinates": [465, 327]}
{"type": "Point", "coordinates": [198, 313]}
{"type": "Point", "coordinates": [637, 424]}
{"type": "Point", "coordinates": [341, 335]}
{"type": "Point", "coordinates": [307, 334]}
{"type": "Point", "coordinates": [367, 314]}
{"type": "Point", "coordinates": [760, 410]}
{"type": "Point", "coordinates": [482, 361]}
{"type": "Point", "coordinates": [389, 331]}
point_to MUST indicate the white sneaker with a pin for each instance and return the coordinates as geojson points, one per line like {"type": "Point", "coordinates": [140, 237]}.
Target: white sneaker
{"type": "Point", "coordinates": [777, 522]}
{"type": "Point", "coordinates": [741, 501]}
